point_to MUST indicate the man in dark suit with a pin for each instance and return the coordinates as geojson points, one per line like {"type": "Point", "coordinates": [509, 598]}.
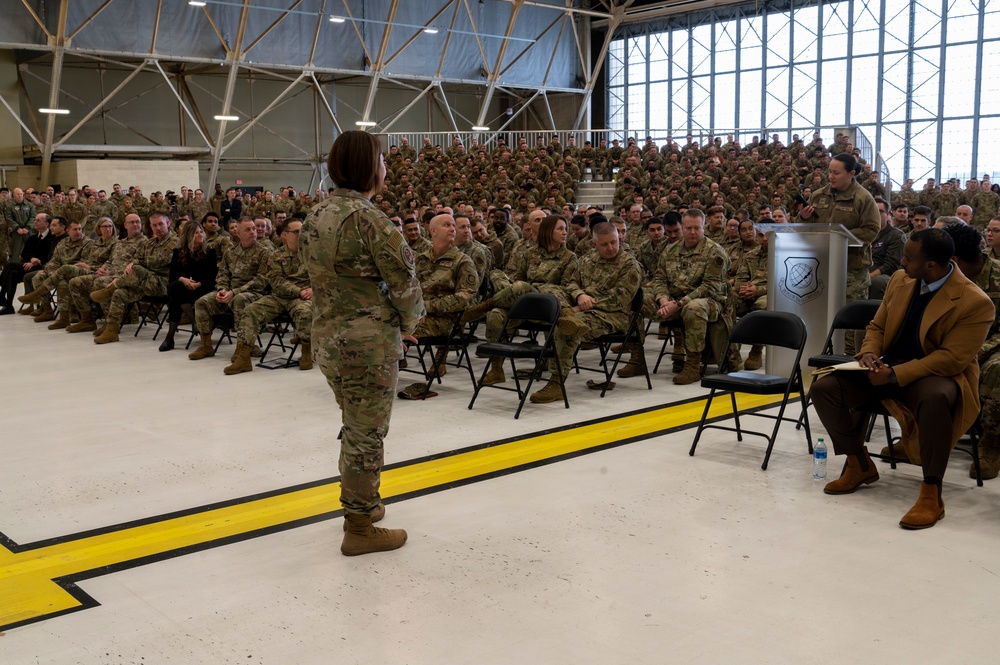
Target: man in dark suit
{"type": "Point", "coordinates": [231, 208]}
{"type": "Point", "coordinates": [920, 356]}
{"type": "Point", "coordinates": [35, 254]}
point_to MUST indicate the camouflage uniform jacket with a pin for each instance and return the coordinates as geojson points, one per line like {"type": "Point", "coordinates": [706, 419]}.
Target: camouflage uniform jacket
{"type": "Point", "coordinates": [419, 245]}
{"type": "Point", "coordinates": [243, 269]}
{"type": "Point", "coordinates": [155, 255]}
{"type": "Point", "coordinates": [99, 252]}
{"type": "Point", "coordinates": [686, 274]}
{"type": "Point", "coordinates": [365, 290]}
{"type": "Point", "coordinates": [887, 250]}
{"type": "Point", "coordinates": [521, 247]}
{"type": "Point", "coordinates": [449, 282]}
{"type": "Point", "coordinates": [286, 274]}
{"type": "Point", "coordinates": [635, 234]}
{"type": "Point", "coordinates": [221, 244]}
{"type": "Point", "coordinates": [123, 253]}
{"type": "Point", "coordinates": [538, 266]}
{"type": "Point", "coordinates": [198, 209]}
{"type": "Point", "coordinates": [989, 281]}
{"type": "Point", "coordinates": [481, 257]}
{"type": "Point", "coordinates": [68, 252]}
{"type": "Point", "coordinates": [649, 255]}
{"type": "Point", "coordinates": [854, 208]}
{"type": "Point", "coordinates": [612, 284]}
{"type": "Point", "coordinates": [750, 267]}
{"type": "Point", "coordinates": [508, 237]}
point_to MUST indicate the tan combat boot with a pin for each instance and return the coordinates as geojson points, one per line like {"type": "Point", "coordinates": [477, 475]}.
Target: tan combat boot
{"type": "Point", "coordinates": [361, 537]}
{"type": "Point", "coordinates": [34, 297]}
{"type": "Point", "coordinates": [755, 359]}
{"type": "Point", "coordinates": [86, 323]}
{"type": "Point", "coordinates": [551, 392]}
{"type": "Point", "coordinates": [495, 375]}
{"type": "Point", "coordinates": [206, 350]}
{"type": "Point", "coordinates": [45, 313]}
{"type": "Point", "coordinates": [677, 357]}
{"type": "Point", "coordinates": [62, 321]}
{"type": "Point", "coordinates": [477, 312]}
{"type": "Point", "coordinates": [109, 335]}
{"type": "Point", "coordinates": [928, 509]}
{"type": "Point", "coordinates": [376, 516]}
{"type": "Point", "coordinates": [306, 361]}
{"type": "Point", "coordinates": [735, 359]}
{"type": "Point", "coordinates": [28, 311]}
{"type": "Point", "coordinates": [100, 329]}
{"type": "Point", "coordinates": [989, 457]}
{"type": "Point", "coordinates": [103, 295]}
{"type": "Point", "coordinates": [636, 362]}
{"type": "Point", "coordinates": [854, 476]}
{"type": "Point", "coordinates": [691, 372]}
{"type": "Point", "coordinates": [440, 362]}
{"type": "Point", "coordinates": [242, 362]}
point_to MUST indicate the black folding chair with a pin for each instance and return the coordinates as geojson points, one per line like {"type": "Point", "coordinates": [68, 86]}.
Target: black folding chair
{"type": "Point", "coordinates": [534, 313]}
{"type": "Point", "coordinates": [774, 328]}
{"type": "Point", "coordinates": [623, 338]}
{"type": "Point", "coordinates": [281, 326]}
{"type": "Point", "coordinates": [456, 340]}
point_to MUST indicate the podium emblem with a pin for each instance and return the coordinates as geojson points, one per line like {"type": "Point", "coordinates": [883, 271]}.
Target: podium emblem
{"type": "Point", "coordinates": [801, 282]}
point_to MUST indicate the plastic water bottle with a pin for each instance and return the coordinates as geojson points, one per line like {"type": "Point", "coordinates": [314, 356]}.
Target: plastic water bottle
{"type": "Point", "coordinates": [819, 460]}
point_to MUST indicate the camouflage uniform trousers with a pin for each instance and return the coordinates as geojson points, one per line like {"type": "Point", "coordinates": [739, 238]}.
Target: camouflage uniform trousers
{"type": "Point", "coordinates": [435, 326]}
{"type": "Point", "coordinates": [696, 315]}
{"type": "Point", "coordinates": [206, 307]}
{"type": "Point", "coordinates": [989, 394]}
{"type": "Point", "coordinates": [81, 287]}
{"type": "Point", "coordinates": [365, 395]}
{"type": "Point", "coordinates": [566, 345]}
{"type": "Point", "coordinates": [267, 309]}
{"type": "Point", "coordinates": [505, 298]}
{"type": "Point", "coordinates": [131, 288]}
{"type": "Point", "coordinates": [59, 280]}
{"type": "Point", "coordinates": [858, 281]}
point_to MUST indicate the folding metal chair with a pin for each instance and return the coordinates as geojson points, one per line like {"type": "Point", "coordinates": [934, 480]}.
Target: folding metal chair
{"type": "Point", "coordinates": [534, 313]}
{"type": "Point", "coordinates": [775, 328]}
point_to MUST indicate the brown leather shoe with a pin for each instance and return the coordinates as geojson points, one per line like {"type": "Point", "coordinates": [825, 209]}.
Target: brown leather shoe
{"type": "Point", "coordinates": [928, 509]}
{"type": "Point", "coordinates": [853, 477]}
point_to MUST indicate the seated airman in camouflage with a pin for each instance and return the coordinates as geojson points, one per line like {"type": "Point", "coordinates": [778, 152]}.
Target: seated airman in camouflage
{"type": "Point", "coordinates": [602, 289]}
{"type": "Point", "coordinates": [414, 236]}
{"type": "Point", "coordinates": [290, 293]}
{"type": "Point", "coordinates": [241, 281]}
{"type": "Point", "coordinates": [690, 285]}
{"type": "Point", "coordinates": [449, 283]}
{"type": "Point", "coordinates": [547, 268]}
{"type": "Point", "coordinates": [214, 237]}
{"type": "Point", "coordinates": [94, 255]}
{"type": "Point", "coordinates": [80, 288]}
{"type": "Point", "coordinates": [145, 275]}
{"type": "Point", "coordinates": [68, 251]}
{"type": "Point", "coordinates": [748, 284]}
{"type": "Point", "coordinates": [481, 256]}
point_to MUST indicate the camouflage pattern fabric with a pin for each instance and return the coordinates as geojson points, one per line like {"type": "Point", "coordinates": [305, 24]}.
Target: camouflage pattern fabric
{"type": "Point", "coordinates": [365, 297]}
{"type": "Point", "coordinates": [449, 283]}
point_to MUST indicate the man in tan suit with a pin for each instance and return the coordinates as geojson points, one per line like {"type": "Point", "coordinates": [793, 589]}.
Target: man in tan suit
{"type": "Point", "coordinates": [920, 355]}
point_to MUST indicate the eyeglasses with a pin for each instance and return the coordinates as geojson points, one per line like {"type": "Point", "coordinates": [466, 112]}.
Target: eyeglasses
{"type": "Point", "coordinates": [106, 226]}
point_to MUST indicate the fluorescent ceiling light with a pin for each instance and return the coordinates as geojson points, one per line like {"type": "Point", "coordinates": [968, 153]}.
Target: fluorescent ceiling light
{"type": "Point", "coordinates": [55, 111]}
{"type": "Point", "coordinates": [365, 123]}
{"type": "Point", "coordinates": [431, 31]}
{"type": "Point", "coordinates": [197, 3]}
{"type": "Point", "coordinates": [337, 19]}
{"type": "Point", "coordinates": [480, 129]}
{"type": "Point", "coordinates": [232, 118]}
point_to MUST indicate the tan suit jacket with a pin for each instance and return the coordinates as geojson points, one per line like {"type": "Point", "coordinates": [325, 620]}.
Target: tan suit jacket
{"type": "Point", "coordinates": [952, 329]}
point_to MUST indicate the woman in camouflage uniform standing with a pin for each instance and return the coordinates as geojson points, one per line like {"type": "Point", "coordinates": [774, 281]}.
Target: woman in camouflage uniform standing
{"type": "Point", "coordinates": [366, 300]}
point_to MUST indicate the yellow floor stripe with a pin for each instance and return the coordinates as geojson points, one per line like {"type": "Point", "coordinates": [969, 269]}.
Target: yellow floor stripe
{"type": "Point", "coordinates": [29, 593]}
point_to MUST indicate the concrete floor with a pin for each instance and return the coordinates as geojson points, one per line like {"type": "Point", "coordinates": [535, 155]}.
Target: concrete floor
{"type": "Point", "coordinates": [632, 554]}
